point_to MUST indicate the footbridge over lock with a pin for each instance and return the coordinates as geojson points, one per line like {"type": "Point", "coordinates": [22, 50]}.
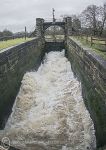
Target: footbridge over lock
{"type": "Point", "coordinates": [42, 25]}
{"type": "Point", "coordinates": [53, 42]}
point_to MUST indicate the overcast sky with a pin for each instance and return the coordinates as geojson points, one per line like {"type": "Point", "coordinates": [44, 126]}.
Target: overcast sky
{"type": "Point", "coordinates": [15, 14]}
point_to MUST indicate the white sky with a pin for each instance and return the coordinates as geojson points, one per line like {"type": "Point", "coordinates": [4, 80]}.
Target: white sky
{"type": "Point", "coordinates": [15, 14]}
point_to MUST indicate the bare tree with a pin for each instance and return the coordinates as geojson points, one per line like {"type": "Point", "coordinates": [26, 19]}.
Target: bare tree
{"type": "Point", "coordinates": [90, 17]}
{"type": "Point", "coordinates": [103, 19]}
{"type": "Point", "coordinates": [94, 18]}
{"type": "Point", "coordinates": [91, 21]}
{"type": "Point", "coordinates": [7, 33]}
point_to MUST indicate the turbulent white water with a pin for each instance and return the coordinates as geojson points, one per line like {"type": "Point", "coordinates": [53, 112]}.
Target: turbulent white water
{"type": "Point", "coordinates": [49, 112]}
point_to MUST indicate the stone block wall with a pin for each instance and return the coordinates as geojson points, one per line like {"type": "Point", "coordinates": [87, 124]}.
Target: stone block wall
{"type": "Point", "coordinates": [39, 27]}
{"type": "Point", "coordinates": [68, 26]}
{"type": "Point", "coordinates": [90, 69]}
{"type": "Point", "coordinates": [14, 62]}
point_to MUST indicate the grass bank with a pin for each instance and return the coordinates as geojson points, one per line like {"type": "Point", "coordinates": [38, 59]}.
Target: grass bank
{"type": "Point", "coordinates": [94, 47]}
{"type": "Point", "coordinates": [13, 42]}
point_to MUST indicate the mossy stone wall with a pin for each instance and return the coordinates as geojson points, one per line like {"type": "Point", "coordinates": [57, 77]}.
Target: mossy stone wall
{"type": "Point", "coordinates": [91, 71]}
{"type": "Point", "coordinates": [14, 62]}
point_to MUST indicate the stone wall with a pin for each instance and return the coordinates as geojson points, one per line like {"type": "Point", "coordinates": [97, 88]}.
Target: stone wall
{"type": "Point", "coordinates": [14, 62]}
{"type": "Point", "coordinates": [68, 26]}
{"type": "Point", "coordinates": [39, 27]}
{"type": "Point", "coordinates": [90, 69]}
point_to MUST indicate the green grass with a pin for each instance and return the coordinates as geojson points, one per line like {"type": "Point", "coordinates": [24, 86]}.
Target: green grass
{"type": "Point", "coordinates": [94, 47]}
{"type": "Point", "coordinates": [9, 43]}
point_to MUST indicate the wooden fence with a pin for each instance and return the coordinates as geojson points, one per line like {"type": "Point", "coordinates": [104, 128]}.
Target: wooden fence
{"type": "Point", "coordinates": [93, 40]}
{"type": "Point", "coordinates": [99, 40]}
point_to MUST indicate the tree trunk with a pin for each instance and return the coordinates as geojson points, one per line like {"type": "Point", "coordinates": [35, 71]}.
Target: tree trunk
{"type": "Point", "coordinates": [101, 31]}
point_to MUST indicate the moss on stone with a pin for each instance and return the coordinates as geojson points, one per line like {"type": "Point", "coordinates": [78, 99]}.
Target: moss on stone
{"type": "Point", "coordinates": [93, 98]}
{"type": "Point", "coordinates": [11, 79]}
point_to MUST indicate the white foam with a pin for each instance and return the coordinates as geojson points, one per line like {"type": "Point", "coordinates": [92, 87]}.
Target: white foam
{"type": "Point", "coordinates": [49, 109]}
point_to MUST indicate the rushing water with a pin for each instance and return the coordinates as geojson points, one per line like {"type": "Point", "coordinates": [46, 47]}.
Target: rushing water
{"type": "Point", "coordinates": [49, 112]}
